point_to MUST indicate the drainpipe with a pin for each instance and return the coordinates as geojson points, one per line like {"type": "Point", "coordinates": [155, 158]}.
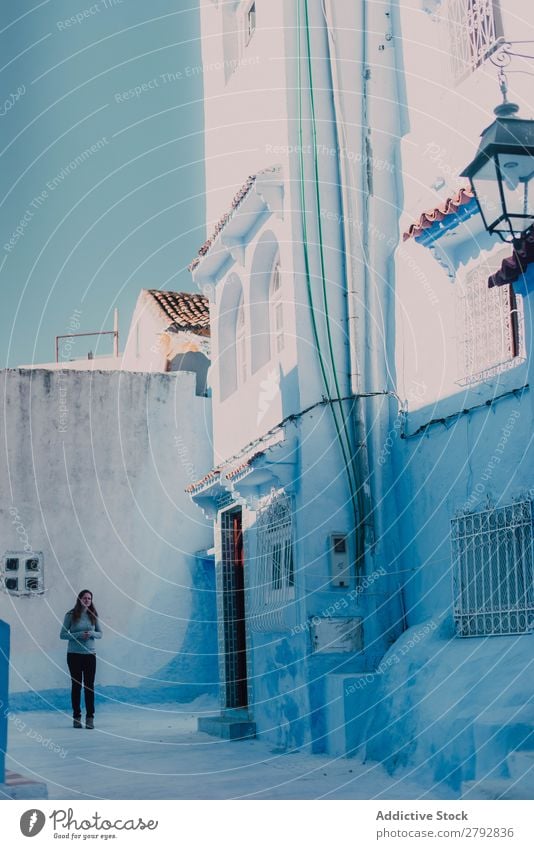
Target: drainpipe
{"type": "Point", "coordinates": [356, 246]}
{"type": "Point", "coordinates": [368, 360]}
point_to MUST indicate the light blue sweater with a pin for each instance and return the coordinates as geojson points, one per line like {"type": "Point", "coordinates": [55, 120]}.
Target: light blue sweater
{"type": "Point", "coordinates": [72, 633]}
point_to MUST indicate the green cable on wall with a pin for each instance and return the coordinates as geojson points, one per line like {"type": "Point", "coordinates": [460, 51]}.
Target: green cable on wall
{"type": "Point", "coordinates": [348, 460]}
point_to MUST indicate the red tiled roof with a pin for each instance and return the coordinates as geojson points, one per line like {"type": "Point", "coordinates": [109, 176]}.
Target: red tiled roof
{"type": "Point", "coordinates": [186, 311]}
{"type": "Point", "coordinates": [223, 221]}
{"type": "Point", "coordinates": [200, 484]}
{"type": "Point", "coordinates": [438, 213]}
{"type": "Point", "coordinates": [237, 470]}
{"type": "Point", "coordinates": [514, 266]}
{"type": "Point", "coordinates": [215, 473]}
{"type": "Point", "coordinates": [244, 460]}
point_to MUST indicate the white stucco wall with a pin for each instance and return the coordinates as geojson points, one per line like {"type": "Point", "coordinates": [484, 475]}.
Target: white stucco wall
{"type": "Point", "coordinates": [246, 116]}
{"type": "Point", "coordinates": [143, 350]}
{"type": "Point", "coordinates": [95, 466]}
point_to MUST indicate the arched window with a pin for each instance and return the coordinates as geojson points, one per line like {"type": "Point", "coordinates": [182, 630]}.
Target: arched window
{"type": "Point", "coordinates": [277, 308]}
{"type": "Point", "coordinates": [231, 354]}
{"type": "Point", "coordinates": [241, 343]}
{"type": "Point", "coordinates": [265, 284]}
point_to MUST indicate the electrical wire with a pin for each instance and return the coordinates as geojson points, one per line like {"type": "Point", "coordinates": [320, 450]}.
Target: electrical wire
{"type": "Point", "coordinates": [348, 464]}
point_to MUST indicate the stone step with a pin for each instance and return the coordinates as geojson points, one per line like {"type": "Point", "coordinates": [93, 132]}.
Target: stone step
{"type": "Point", "coordinates": [227, 727]}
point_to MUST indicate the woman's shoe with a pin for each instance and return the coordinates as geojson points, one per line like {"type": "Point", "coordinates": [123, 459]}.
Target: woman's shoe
{"type": "Point", "coordinates": [77, 723]}
{"type": "Point", "coordinates": [89, 722]}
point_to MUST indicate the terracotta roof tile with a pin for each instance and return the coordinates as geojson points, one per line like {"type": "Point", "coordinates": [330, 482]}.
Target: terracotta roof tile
{"type": "Point", "coordinates": [514, 266]}
{"type": "Point", "coordinates": [243, 461]}
{"type": "Point", "coordinates": [449, 207]}
{"type": "Point", "coordinates": [223, 221]}
{"type": "Point", "coordinates": [200, 484]}
{"type": "Point", "coordinates": [238, 470]}
{"type": "Point", "coordinates": [185, 310]}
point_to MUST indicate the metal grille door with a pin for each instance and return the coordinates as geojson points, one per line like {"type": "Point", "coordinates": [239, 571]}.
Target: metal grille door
{"type": "Point", "coordinates": [233, 603]}
{"type": "Point", "coordinates": [493, 571]}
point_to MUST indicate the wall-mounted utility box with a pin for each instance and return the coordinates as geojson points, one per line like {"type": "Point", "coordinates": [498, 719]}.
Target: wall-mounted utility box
{"type": "Point", "coordinates": [337, 633]}
{"type": "Point", "coordinates": [338, 552]}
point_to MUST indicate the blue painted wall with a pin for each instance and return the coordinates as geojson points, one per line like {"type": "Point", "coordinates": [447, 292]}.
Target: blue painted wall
{"type": "Point", "coordinates": [455, 708]}
{"type": "Point", "coordinates": [4, 679]}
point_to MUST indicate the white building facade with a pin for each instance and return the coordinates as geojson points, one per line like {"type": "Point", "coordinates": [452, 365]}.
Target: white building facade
{"type": "Point", "coordinates": [353, 264]}
{"type": "Point", "coordinates": [303, 598]}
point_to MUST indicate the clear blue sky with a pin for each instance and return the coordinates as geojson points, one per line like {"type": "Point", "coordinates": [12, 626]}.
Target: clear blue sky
{"type": "Point", "coordinates": [105, 188]}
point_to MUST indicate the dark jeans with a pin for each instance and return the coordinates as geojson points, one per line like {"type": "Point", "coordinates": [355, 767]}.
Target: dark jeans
{"type": "Point", "coordinates": [82, 668]}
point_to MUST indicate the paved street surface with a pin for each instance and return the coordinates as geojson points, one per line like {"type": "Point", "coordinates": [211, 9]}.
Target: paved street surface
{"type": "Point", "coordinates": [155, 752]}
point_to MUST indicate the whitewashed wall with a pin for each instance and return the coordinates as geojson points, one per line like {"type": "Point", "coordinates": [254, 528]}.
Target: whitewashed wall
{"type": "Point", "coordinates": [95, 466]}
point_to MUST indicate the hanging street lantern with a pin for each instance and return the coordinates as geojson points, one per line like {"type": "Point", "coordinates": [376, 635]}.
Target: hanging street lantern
{"type": "Point", "coordinates": [502, 173]}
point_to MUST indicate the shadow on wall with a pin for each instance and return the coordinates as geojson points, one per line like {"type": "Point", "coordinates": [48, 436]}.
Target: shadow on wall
{"type": "Point", "coordinates": [195, 362]}
{"type": "Point", "coordinates": [194, 670]}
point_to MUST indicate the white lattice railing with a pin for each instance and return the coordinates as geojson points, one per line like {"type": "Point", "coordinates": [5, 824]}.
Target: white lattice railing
{"type": "Point", "coordinates": [490, 323]}
{"type": "Point", "coordinates": [493, 575]}
{"type": "Point", "coordinates": [475, 31]}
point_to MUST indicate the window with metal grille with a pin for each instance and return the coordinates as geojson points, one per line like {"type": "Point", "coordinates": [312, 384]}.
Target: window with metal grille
{"type": "Point", "coordinates": [490, 322]}
{"type": "Point", "coordinates": [493, 576]}
{"type": "Point", "coordinates": [273, 582]}
{"type": "Point", "coordinates": [475, 32]}
{"type": "Point", "coordinates": [22, 573]}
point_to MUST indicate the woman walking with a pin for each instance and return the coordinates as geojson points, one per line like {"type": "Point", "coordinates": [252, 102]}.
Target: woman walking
{"type": "Point", "coordinates": [81, 628]}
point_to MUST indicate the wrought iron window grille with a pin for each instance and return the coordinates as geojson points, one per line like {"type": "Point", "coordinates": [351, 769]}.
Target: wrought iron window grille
{"type": "Point", "coordinates": [490, 325]}
{"type": "Point", "coordinates": [493, 571]}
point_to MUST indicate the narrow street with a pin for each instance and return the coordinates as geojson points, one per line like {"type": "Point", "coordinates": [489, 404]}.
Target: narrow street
{"type": "Point", "coordinates": [155, 752]}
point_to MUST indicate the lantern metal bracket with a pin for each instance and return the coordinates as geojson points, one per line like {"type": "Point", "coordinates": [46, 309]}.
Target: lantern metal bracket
{"type": "Point", "coordinates": [504, 54]}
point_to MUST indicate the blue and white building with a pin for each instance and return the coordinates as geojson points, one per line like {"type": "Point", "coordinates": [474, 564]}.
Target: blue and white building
{"type": "Point", "coordinates": [452, 695]}
{"type": "Point", "coordinates": [303, 597]}
{"type": "Point", "coordinates": [370, 390]}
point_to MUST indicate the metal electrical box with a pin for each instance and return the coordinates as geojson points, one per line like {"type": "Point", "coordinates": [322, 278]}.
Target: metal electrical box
{"type": "Point", "coordinates": [338, 551]}
{"type": "Point", "coordinates": [337, 634]}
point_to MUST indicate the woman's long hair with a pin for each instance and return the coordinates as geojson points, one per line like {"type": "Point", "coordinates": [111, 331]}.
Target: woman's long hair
{"type": "Point", "coordinates": [78, 608]}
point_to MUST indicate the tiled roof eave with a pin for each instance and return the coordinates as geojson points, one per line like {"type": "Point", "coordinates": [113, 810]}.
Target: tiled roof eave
{"type": "Point", "coordinates": [184, 311]}
{"type": "Point", "coordinates": [239, 465]}
{"type": "Point", "coordinates": [225, 219]}
{"type": "Point", "coordinates": [454, 209]}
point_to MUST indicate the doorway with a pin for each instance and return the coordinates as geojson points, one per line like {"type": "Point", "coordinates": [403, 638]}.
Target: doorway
{"type": "Point", "coordinates": [233, 606]}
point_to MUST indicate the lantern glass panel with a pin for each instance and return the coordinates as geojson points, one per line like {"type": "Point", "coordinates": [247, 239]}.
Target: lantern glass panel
{"type": "Point", "coordinates": [517, 173]}
{"type": "Point", "coordinates": [486, 186]}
